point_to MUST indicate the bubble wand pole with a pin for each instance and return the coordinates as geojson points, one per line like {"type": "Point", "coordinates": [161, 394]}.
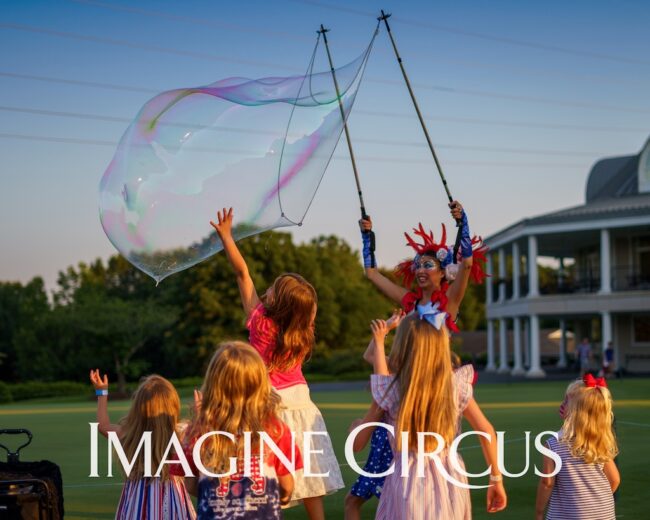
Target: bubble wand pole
{"type": "Point", "coordinates": [323, 31]}
{"type": "Point", "coordinates": [384, 17]}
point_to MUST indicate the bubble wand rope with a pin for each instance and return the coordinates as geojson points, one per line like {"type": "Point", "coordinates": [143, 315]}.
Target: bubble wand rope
{"type": "Point", "coordinates": [323, 32]}
{"type": "Point", "coordinates": [384, 17]}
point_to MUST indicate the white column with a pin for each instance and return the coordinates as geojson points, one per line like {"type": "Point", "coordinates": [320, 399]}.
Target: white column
{"type": "Point", "coordinates": [561, 363]}
{"type": "Point", "coordinates": [516, 262]}
{"type": "Point", "coordinates": [606, 333]}
{"type": "Point", "coordinates": [535, 369]}
{"type": "Point", "coordinates": [503, 347]}
{"type": "Point", "coordinates": [526, 344]}
{"type": "Point", "coordinates": [533, 281]}
{"type": "Point", "coordinates": [491, 365]}
{"type": "Point", "coordinates": [605, 264]}
{"type": "Point", "coordinates": [518, 369]}
{"type": "Point", "coordinates": [488, 281]}
{"type": "Point", "coordinates": [502, 275]}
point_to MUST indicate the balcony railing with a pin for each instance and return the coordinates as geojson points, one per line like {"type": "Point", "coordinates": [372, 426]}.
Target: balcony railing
{"type": "Point", "coordinates": [584, 284]}
{"type": "Point", "coordinates": [629, 278]}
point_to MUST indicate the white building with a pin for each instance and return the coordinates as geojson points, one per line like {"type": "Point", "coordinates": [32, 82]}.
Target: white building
{"type": "Point", "coordinates": [602, 252]}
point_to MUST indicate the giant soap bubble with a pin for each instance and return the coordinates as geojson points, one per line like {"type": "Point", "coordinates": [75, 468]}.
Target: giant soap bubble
{"type": "Point", "coordinates": [259, 146]}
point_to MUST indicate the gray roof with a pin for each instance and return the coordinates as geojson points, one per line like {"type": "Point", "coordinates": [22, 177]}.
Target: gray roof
{"type": "Point", "coordinates": [628, 206]}
{"type": "Point", "coordinates": [613, 177]}
{"type": "Point", "coordinates": [612, 193]}
{"type": "Point", "coordinates": [605, 209]}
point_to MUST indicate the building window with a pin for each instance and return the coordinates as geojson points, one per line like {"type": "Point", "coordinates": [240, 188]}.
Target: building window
{"type": "Point", "coordinates": [643, 258]}
{"type": "Point", "coordinates": [641, 330]}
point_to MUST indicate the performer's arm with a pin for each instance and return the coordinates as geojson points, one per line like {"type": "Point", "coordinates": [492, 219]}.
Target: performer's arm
{"type": "Point", "coordinates": [386, 286]}
{"type": "Point", "coordinates": [456, 291]}
{"type": "Point", "coordinates": [249, 297]}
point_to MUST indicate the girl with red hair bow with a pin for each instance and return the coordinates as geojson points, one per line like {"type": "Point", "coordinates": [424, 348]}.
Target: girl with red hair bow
{"type": "Point", "coordinates": [585, 447]}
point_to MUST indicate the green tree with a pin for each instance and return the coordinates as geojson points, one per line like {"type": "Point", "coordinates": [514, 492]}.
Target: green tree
{"type": "Point", "coordinates": [20, 305]}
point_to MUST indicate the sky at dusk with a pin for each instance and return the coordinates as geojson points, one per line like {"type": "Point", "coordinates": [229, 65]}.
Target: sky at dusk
{"type": "Point", "coordinates": [520, 98]}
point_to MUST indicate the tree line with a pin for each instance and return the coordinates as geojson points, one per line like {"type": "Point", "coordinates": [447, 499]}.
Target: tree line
{"type": "Point", "coordinates": [110, 315]}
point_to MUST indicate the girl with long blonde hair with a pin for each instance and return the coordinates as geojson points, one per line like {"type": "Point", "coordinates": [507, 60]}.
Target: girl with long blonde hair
{"type": "Point", "coordinates": [155, 408]}
{"type": "Point", "coordinates": [281, 327]}
{"type": "Point", "coordinates": [237, 397]}
{"type": "Point", "coordinates": [426, 396]}
{"type": "Point", "coordinates": [586, 445]}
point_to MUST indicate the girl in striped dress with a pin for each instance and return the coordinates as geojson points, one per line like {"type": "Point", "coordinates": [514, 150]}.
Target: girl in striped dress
{"type": "Point", "coordinates": [426, 395]}
{"type": "Point", "coordinates": [155, 408]}
{"type": "Point", "coordinates": [584, 486]}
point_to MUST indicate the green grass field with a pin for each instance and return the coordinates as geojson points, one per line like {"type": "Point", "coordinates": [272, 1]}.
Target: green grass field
{"type": "Point", "coordinates": [61, 434]}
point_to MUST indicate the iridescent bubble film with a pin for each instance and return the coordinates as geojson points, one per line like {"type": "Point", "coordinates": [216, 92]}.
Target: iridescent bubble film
{"type": "Point", "coordinates": [259, 146]}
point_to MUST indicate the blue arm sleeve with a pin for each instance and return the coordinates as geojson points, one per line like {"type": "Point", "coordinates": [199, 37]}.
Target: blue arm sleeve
{"type": "Point", "coordinates": [368, 238]}
{"type": "Point", "coordinates": [465, 237]}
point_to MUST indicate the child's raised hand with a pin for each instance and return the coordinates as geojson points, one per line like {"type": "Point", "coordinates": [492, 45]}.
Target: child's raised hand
{"type": "Point", "coordinates": [198, 398]}
{"type": "Point", "coordinates": [97, 381]}
{"type": "Point", "coordinates": [497, 499]}
{"type": "Point", "coordinates": [224, 222]}
{"type": "Point", "coordinates": [379, 330]}
{"type": "Point", "coordinates": [395, 319]}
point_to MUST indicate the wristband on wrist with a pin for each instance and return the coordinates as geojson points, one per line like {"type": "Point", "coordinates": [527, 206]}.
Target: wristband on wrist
{"type": "Point", "coordinates": [101, 391]}
{"type": "Point", "coordinates": [496, 478]}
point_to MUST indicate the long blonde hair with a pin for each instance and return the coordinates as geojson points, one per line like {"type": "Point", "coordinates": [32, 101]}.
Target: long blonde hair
{"type": "Point", "coordinates": [155, 408]}
{"type": "Point", "coordinates": [237, 397]}
{"type": "Point", "coordinates": [421, 362]}
{"type": "Point", "coordinates": [291, 304]}
{"type": "Point", "coordinates": [587, 427]}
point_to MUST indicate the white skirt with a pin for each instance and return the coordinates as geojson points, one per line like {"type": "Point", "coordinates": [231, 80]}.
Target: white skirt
{"type": "Point", "coordinates": [301, 415]}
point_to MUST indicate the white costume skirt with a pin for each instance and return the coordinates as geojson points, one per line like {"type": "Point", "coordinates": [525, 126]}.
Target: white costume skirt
{"type": "Point", "coordinates": [301, 415]}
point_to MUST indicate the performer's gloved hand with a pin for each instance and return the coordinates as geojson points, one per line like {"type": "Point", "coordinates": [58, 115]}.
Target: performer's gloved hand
{"type": "Point", "coordinates": [458, 213]}
{"type": "Point", "coordinates": [368, 239]}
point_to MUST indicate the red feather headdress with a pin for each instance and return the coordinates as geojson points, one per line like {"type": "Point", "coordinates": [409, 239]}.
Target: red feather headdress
{"type": "Point", "coordinates": [430, 247]}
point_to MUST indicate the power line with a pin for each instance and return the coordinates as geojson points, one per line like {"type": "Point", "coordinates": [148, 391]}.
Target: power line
{"type": "Point", "coordinates": [479, 35]}
{"type": "Point", "coordinates": [371, 113]}
{"type": "Point", "coordinates": [424, 86]}
{"type": "Point", "coordinates": [197, 21]}
{"type": "Point", "coordinates": [492, 122]}
{"type": "Point", "coordinates": [536, 71]}
{"type": "Point", "coordinates": [398, 160]}
{"type": "Point", "coordinates": [147, 47]}
{"type": "Point", "coordinates": [412, 144]}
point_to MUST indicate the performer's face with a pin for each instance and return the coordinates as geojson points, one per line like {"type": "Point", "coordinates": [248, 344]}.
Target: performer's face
{"type": "Point", "coordinates": [428, 273]}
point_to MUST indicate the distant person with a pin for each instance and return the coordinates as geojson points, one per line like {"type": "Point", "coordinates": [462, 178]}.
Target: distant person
{"type": "Point", "coordinates": [281, 328]}
{"type": "Point", "coordinates": [584, 356]}
{"type": "Point", "coordinates": [237, 397]}
{"type": "Point", "coordinates": [586, 444]}
{"type": "Point", "coordinates": [426, 395]}
{"type": "Point", "coordinates": [155, 408]}
{"type": "Point", "coordinates": [608, 361]}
